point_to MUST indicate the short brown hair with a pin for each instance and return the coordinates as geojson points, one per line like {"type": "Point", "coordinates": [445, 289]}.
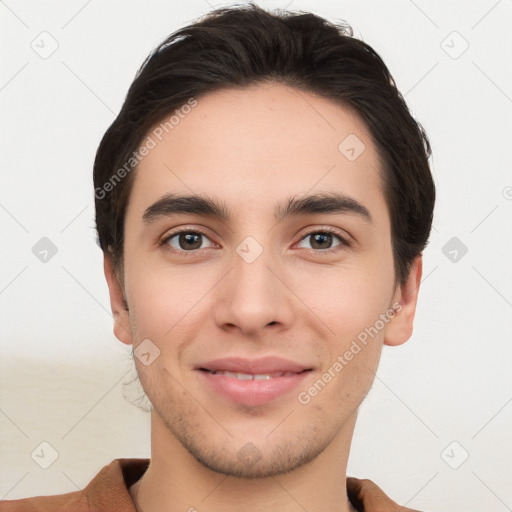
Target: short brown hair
{"type": "Point", "coordinates": [244, 45]}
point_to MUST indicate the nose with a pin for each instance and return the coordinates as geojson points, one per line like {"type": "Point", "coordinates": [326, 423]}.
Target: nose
{"type": "Point", "coordinates": [254, 298]}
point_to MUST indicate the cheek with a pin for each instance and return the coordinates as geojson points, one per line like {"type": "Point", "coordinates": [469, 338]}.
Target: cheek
{"type": "Point", "coordinates": [351, 355]}
{"type": "Point", "coordinates": [347, 300]}
{"type": "Point", "coordinates": [164, 299]}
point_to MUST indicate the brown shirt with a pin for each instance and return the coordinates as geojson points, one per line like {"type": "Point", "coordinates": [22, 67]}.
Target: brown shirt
{"type": "Point", "coordinates": [108, 492]}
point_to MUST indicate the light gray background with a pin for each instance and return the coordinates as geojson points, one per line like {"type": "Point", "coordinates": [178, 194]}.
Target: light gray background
{"type": "Point", "coordinates": [443, 395]}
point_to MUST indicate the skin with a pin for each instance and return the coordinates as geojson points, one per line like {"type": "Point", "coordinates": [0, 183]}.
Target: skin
{"type": "Point", "coordinates": [253, 148]}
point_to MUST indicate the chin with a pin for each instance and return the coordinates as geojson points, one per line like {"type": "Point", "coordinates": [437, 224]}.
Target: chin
{"type": "Point", "coordinates": [250, 463]}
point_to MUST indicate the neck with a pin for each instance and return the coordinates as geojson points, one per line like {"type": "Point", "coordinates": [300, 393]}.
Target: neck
{"type": "Point", "coordinates": [175, 481]}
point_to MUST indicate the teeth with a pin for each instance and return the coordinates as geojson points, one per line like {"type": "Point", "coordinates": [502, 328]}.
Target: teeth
{"type": "Point", "coordinates": [241, 376]}
{"type": "Point", "coordinates": [262, 376]}
{"type": "Point", "coordinates": [250, 376]}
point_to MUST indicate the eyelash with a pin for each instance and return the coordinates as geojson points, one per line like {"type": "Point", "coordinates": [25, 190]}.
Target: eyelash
{"type": "Point", "coordinates": [326, 230]}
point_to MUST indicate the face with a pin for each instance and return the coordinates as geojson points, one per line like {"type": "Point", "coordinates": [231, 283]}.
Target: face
{"type": "Point", "coordinates": [259, 315]}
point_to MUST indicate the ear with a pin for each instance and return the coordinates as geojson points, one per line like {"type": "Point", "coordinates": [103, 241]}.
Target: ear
{"type": "Point", "coordinates": [400, 328]}
{"type": "Point", "coordinates": [118, 304]}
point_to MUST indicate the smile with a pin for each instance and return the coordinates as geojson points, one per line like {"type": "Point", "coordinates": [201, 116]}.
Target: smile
{"type": "Point", "coordinates": [251, 382]}
{"type": "Point", "coordinates": [250, 376]}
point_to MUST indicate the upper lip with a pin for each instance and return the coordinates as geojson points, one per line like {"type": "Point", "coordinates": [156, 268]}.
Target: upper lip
{"type": "Point", "coordinates": [253, 366]}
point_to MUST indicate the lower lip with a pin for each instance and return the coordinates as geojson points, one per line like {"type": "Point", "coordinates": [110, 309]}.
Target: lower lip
{"type": "Point", "coordinates": [252, 392]}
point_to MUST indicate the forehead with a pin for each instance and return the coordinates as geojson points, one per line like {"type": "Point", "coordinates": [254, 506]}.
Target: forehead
{"type": "Point", "coordinates": [256, 145]}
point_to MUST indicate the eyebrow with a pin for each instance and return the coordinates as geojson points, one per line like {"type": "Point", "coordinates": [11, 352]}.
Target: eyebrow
{"type": "Point", "coordinates": [173, 204]}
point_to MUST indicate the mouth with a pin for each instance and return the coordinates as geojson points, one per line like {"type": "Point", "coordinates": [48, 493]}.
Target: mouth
{"type": "Point", "coordinates": [252, 381]}
{"type": "Point", "coordinates": [251, 376]}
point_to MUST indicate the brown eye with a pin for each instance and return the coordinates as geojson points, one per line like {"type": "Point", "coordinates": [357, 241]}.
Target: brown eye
{"type": "Point", "coordinates": [323, 240]}
{"type": "Point", "coordinates": [186, 240]}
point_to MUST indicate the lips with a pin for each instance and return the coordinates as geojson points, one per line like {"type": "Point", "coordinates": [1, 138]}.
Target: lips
{"type": "Point", "coordinates": [264, 365]}
{"type": "Point", "coordinates": [252, 381]}
{"type": "Point", "coordinates": [250, 376]}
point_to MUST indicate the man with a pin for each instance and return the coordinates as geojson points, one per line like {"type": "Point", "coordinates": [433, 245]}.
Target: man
{"type": "Point", "coordinates": [262, 201]}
